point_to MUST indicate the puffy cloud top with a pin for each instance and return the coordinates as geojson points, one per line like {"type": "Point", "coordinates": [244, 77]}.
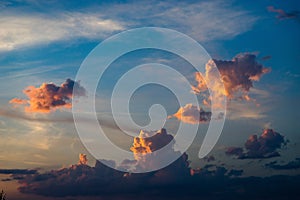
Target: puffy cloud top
{"type": "Point", "coordinates": [237, 74]}
{"type": "Point", "coordinates": [48, 97]}
{"type": "Point", "coordinates": [264, 146]}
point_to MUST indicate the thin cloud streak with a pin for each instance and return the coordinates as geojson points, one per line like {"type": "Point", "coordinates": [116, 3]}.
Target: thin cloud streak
{"type": "Point", "coordinates": [204, 21]}
{"type": "Point", "coordinates": [21, 30]}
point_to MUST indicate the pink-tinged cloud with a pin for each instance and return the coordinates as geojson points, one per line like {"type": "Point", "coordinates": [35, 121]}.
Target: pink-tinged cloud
{"type": "Point", "coordinates": [237, 76]}
{"type": "Point", "coordinates": [264, 146]}
{"type": "Point", "coordinates": [49, 97]}
{"type": "Point", "coordinates": [282, 14]}
{"type": "Point", "coordinates": [191, 114]}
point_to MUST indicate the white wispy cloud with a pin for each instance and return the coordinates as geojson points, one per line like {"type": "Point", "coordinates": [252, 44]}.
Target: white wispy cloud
{"type": "Point", "coordinates": [204, 21]}
{"type": "Point", "coordinates": [33, 29]}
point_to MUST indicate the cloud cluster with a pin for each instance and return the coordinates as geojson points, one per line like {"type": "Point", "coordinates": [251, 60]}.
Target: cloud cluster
{"type": "Point", "coordinates": [263, 146]}
{"type": "Point", "coordinates": [82, 179]}
{"type": "Point", "coordinates": [294, 164]}
{"type": "Point", "coordinates": [49, 97]}
{"type": "Point", "coordinates": [191, 114]}
{"type": "Point", "coordinates": [237, 76]}
{"type": "Point", "coordinates": [205, 183]}
{"type": "Point", "coordinates": [282, 14]}
{"type": "Point", "coordinates": [149, 142]}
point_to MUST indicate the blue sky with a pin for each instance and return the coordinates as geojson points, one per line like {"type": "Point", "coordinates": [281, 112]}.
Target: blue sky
{"type": "Point", "coordinates": [46, 41]}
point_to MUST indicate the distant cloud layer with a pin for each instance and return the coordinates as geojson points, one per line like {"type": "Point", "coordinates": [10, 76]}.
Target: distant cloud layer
{"type": "Point", "coordinates": [173, 182]}
{"type": "Point", "coordinates": [263, 146]}
{"type": "Point", "coordinates": [176, 181]}
{"type": "Point", "coordinates": [18, 171]}
{"type": "Point", "coordinates": [82, 179]}
{"type": "Point", "coordinates": [49, 97]}
{"type": "Point", "coordinates": [294, 164]}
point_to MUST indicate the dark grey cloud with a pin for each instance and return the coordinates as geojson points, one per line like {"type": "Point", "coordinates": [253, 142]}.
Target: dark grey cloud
{"type": "Point", "coordinates": [208, 182]}
{"type": "Point", "coordinates": [292, 165]}
{"type": "Point", "coordinates": [235, 172]}
{"type": "Point", "coordinates": [263, 146]}
{"type": "Point", "coordinates": [209, 158]}
{"type": "Point", "coordinates": [18, 171]}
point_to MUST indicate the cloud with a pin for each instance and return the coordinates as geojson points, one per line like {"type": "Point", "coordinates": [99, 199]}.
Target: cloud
{"type": "Point", "coordinates": [264, 58]}
{"type": "Point", "coordinates": [18, 171]}
{"type": "Point", "coordinates": [282, 14]}
{"type": "Point", "coordinates": [74, 180]}
{"type": "Point", "coordinates": [237, 76]}
{"type": "Point", "coordinates": [209, 158]}
{"type": "Point", "coordinates": [22, 30]}
{"type": "Point", "coordinates": [82, 159]}
{"type": "Point", "coordinates": [236, 151]}
{"type": "Point", "coordinates": [49, 97]}
{"type": "Point", "coordinates": [102, 179]}
{"type": "Point", "coordinates": [191, 114]}
{"type": "Point", "coordinates": [149, 142]}
{"type": "Point", "coordinates": [209, 181]}
{"type": "Point", "coordinates": [204, 21]}
{"type": "Point", "coordinates": [264, 146]}
{"type": "Point", "coordinates": [235, 172]}
{"type": "Point", "coordinates": [294, 164]}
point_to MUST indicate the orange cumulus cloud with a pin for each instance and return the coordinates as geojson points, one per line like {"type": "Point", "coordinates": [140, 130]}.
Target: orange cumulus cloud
{"type": "Point", "coordinates": [82, 159]}
{"type": "Point", "coordinates": [191, 114]}
{"type": "Point", "coordinates": [237, 76]}
{"type": "Point", "coordinates": [48, 97]}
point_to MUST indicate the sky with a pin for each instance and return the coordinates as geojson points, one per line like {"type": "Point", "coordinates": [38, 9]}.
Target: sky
{"type": "Point", "coordinates": [253, 44]}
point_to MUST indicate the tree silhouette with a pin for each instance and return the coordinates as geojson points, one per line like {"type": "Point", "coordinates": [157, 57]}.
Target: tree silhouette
{"type": "Point", "coordinates": [2, 195]}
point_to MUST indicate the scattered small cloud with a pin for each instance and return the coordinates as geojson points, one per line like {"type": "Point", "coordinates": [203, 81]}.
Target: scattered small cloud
{"type": "Point", "coordinates": [264, 58]}
{"type": "Point", "coordinates": [281, 14]}
{"type": "Point", "coordinates": [49, 97]}
{"type": "Point", "coordinates": [263, 146]}
{"type": "Point", "coordinates": [191, 114]}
